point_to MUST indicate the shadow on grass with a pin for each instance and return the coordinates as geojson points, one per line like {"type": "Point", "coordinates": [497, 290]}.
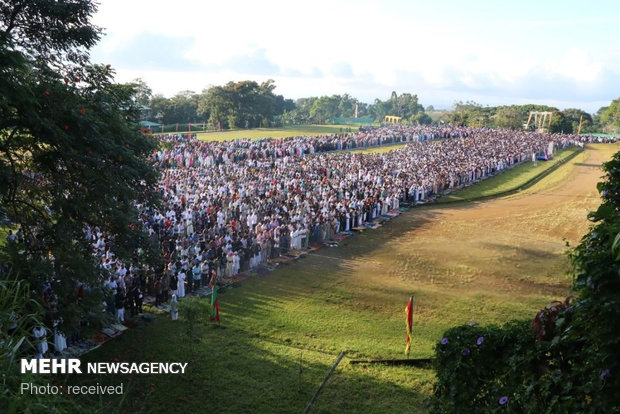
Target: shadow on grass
{"type": "Point", "coordinates": [232, 372]}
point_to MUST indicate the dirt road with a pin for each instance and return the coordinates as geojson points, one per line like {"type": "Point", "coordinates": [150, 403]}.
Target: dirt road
{"type": "Point", "coordinates": [516, 242]}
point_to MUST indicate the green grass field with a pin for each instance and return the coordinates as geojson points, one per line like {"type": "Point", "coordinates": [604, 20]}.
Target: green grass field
{"type": "Point", "coordinates": [299, 130]}
{"type": "Point", "coordinates": [380, 150]}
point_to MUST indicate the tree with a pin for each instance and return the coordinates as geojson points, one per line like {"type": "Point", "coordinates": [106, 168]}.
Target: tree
{"type": "Point", "coordinates": [325, 107]}
{"type": "Point", "coordinates": [143, 93]}
{"type": "Point", "coordinates": [405, 106]}
{"type": "Point", "coordinates": [421, 118]}
{"type": "Point", "coordinates": [183, 107]}
{"type": "Point", "coordinates": [577, 116]}
{"type": "Point", "coordinates": [217, 101]}
{"type": "Point", "coordinates": [244, 104]}
{"type": "Point", "coordinates": [560, 123]}
{"type": "Point", "coordinates": [610, 117]}
{"type": "Point", "coordinates": [71, 155]}
{"type": "Point", "coordinates": [510, 117]}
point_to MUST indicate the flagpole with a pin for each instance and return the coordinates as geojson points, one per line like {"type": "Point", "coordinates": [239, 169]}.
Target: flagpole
{"type": "Point", "coordinates": [409, 322]}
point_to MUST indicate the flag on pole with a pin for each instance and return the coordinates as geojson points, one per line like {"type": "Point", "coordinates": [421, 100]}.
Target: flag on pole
{"type": "Point", "coordinates": [409, 312]}
{"type": "Point", "coordinates": [215, 313]}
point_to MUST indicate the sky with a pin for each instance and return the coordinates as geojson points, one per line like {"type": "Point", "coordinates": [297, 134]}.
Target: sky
{"type": "Point", "coordinates": [560, 53]}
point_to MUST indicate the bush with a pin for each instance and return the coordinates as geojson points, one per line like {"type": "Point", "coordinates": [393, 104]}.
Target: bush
{"type": "Point", "coordinates": [475, 365]}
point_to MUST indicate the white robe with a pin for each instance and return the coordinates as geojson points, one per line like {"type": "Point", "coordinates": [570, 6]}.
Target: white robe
{"type": "Point", "coordinates": [60, 341]}
{"type": "Point", "coordinates": [39, 334]}
{"type": "Point", "coordinates": [181, 285]}
{"type": "Point", "coordinates": [174, 310]}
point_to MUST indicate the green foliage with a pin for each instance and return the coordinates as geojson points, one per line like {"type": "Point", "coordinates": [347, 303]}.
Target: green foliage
{"type": "Point", "coordinates": [577, 116]}
{"type": "Point", "coordinates": [475, 367]}
{"type": "Point", "coordinates": [468, 113]}
{"type": "Point", "coordinates": [597, 280]}
{"type": "Point", "coordinates": [406, 106]}
{"type": "Point", "coordinates": [143, 93]}
{"type": "Point", "coordinates": [324, 109]}
{"type": "Point", "coordinates": [610, 117]}
{"type": "Point", "coordinates": [71, 154]}
{"type": "Point", "coordinates": [182, 108]}
{"type": "Point", "coordinates": [560, 123]}
{"type": "Point", "coordinates": [244, 104]}
{"type": "Point", "coordinates": [510, 117]}
{"type": "Point", "coordinates": [421, 118]}
{"type": "Point", "coordinates": [20, 313]}
{"type": "Point", "coordinates": [45, 30]}
{"type": "Point", "coordinates": [513, 117]}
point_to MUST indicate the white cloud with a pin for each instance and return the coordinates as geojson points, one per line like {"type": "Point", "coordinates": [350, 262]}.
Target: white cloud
{"type": "Point", "coordinates": [576, 64]}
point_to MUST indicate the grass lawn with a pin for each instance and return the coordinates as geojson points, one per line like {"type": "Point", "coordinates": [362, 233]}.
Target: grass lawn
{"type": "Point", "coordinates": [281, 332]}
{"type": "Point", "coordinates": [508, 180]}
{"type": "Point", "coordinates": [293, 131]}
{"type": "Point", "coordinates": [380, 150]}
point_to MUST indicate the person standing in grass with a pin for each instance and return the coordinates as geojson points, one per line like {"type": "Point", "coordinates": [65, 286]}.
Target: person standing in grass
{"type": "Point", "coordinates": [40, 340]}
{"type": "Point", "coordinates": [196, 274]}
{"type": "Point", "coordinates": [181, 284]}
{"type": "Point", "coordinates": [174, 309]}
{"type": "Point", "coordinates": [119, 304]}
{"type": "Point", "coordinates": [174, 283]}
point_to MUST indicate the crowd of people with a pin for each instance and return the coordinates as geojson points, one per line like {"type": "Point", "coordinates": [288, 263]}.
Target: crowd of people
{"type": "Point", "coordinates": [233, 206]}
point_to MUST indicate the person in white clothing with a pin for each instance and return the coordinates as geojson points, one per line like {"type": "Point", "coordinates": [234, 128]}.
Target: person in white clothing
{"type": "Point", "coordinates": [40, 340]}
{"type": "Point", "coordinates": [181, 284]}
{"type": "Point", "coordinates": [60, 341]}
{"type": "Point", "coordinates": [174, 309]}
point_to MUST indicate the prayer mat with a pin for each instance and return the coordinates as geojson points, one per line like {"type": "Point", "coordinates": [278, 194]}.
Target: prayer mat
{"type": "Point", "coordinates": [119, 327]}
{"type": "Point", "coordinates": [110, 332]}
{"type": "Point", "coordinates": [100, 338]}
{"type": "Point", "coordinates": [127, 324]}
{"type": "Point", "coordinates": [340, 237]}
{"type": "Point", "coordinates": [240, 276]}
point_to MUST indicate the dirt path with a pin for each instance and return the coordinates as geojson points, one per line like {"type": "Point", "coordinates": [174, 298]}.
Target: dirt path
{"type": "Point", "coordinates": [511, 245]}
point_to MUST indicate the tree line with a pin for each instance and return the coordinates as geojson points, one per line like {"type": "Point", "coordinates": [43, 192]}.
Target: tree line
{"type": "Point", "coordinates": [515, 117]}
{"type": "Point", "coordinates": [249, 104]}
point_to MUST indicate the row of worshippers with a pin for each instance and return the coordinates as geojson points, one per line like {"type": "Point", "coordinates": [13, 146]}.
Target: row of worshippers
{"type": "Point", "coordinates": [238, 214]}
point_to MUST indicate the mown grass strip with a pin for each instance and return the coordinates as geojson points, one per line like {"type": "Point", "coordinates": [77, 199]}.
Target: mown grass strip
{"type": "Point", "coordinates": [296, 131]}
{"type": "Point", "coordinates": [511, 181]}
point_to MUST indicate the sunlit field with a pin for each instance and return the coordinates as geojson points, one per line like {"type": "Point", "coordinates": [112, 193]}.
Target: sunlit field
{"type": "Point", "coordinates": [293, 131]}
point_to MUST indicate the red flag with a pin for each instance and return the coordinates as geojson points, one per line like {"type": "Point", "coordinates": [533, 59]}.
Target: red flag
{"type": "Point", "coordinates": [409, 312]}
{"type": "Point", "coordinates": [217, 312]}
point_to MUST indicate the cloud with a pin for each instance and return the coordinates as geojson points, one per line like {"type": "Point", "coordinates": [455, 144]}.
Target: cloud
{"type": "Point", "coordinates": [150, 51]}
{"type": "Point", "coordinates": [342, 70]}
{"type": "Point", "coordinates": [255, 63]}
